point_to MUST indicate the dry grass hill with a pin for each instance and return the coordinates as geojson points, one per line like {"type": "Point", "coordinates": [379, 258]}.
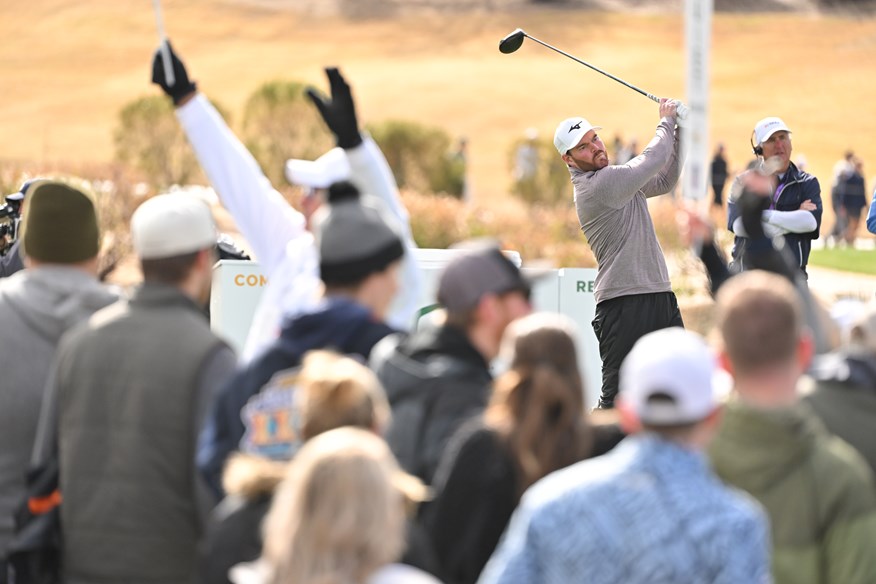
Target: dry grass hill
{"type": "Point", "coordinates": [69, 66]}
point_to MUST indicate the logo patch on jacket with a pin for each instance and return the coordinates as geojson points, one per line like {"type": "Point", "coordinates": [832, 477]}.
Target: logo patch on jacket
{"type": "Point", "coordinates": [272, 418]}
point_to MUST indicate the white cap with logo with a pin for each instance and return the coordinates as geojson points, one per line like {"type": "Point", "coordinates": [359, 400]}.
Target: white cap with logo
{"type": "Point", "coordinates": [767, 127]}
{"type": "Point", "coordinates": [671, 376]}
{"type": "Point", "coordinates": [570, 131]}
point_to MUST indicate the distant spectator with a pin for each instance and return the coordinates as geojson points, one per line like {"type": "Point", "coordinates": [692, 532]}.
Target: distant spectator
{"type": "Point", "coordinates": [627, 152]}
{"type": "Point", "coordinates": [360, 251]}
{"type": "Point", "coordinates": [617, 146]}
{"type": "Point", "coordinates": [526, 157]}
{"type": "Point", "coordinates": [276, 232]}
{"type": "Point", "coordinates": [459, 166]}
{"type": "Point", "coordinates": [439, 377]}
{"type": "Point", "coordinates": [328, 392]}
{"type": "Point", "coordinates": [853, 200]}
{"type": "Point", "coordinates": [842, 385]}
{"type": "Point", "coordinates": [534, 424]}
{"type": "Point", "coordinates": [843, 167]}
{"type": "Point", "coordinates": [651, 510]}
{"type": "Point", "coordinates": [338, 516]}
{"type": "Point", "coordinates": [128, 393]}
{"type": "Point", "coordinates": [818, 491]}
{"type": "Point", "coordinates": [802, 162]}
{"type": "Point", "coordinates": [60, 244]}
{"type": "Point", "coordinates": [718, 175]}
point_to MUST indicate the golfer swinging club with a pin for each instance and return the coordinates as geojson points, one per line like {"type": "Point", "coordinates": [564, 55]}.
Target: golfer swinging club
{"type": "Point", "coordinates": [633, 292]}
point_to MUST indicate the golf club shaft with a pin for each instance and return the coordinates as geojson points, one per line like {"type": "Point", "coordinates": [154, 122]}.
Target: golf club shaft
{"type": "Point", "coordinates": [597, 69]}
{"type": "Point", "coordinates": [165, 50]}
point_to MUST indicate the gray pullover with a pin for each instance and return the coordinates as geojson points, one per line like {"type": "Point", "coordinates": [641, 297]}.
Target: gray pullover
{"type": "Point", "coordinates": [614, 216]}
{"type": "Point", "coordinates": [36, 307]}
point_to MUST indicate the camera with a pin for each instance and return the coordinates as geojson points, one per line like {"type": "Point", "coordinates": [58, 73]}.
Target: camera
{"type": "Point", "coordinates": [10, 216]}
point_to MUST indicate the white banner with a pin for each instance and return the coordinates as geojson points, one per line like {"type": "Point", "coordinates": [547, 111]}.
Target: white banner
{"type": "Point", "coordinates": [238, 286]}
{"type": "Point", "coordinates": [698, 38]}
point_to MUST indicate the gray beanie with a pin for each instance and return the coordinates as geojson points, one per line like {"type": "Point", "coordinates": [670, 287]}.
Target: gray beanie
{"type": "Point", "coordinates": [355, 238]}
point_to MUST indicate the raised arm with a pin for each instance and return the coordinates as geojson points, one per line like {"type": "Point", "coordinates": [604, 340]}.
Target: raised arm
{"type": "Point", "coordinates": [667, 178]}
{"type": "Point", "coordinates": [263, 216]}
{"type": "Point", "coordinates": [371, 173]}
{"type": "Point", "coordinates": [618, 184]}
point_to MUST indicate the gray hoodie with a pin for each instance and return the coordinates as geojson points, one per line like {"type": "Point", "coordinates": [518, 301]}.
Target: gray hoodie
{"type": "Point", "coordinates": [36, 307]}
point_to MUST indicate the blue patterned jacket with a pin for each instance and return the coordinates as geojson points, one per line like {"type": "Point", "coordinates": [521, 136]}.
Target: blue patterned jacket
{"type": "Point", "coordinates": [650, 511]}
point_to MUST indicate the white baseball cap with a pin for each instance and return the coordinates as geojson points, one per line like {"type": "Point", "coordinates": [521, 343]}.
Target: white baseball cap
{"type": "Point", "coordinates": [171, 225]}
{"type": "Point", "coordinates": [671, 376]}
{"type": "Point", "coordinates": [321, 173]}
{"type": "Point", "coordinates": [570, 131]}
{"type": "Point", "coordinates": [767, 127]}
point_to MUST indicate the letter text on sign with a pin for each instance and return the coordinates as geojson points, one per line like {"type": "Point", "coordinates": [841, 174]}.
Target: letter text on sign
{"type": "Point", "coordinates": [251, 280]}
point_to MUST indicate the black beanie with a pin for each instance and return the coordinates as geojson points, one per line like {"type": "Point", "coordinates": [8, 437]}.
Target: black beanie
{"type": "Point", "coordinates": [356, 238]}
{"type": "Point", "coordinates": [60, 224]}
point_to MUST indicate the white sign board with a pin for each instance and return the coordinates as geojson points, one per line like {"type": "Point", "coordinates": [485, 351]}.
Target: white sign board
{"type": "Point", "coordinates": [236, 291]}
{"type": "Point", "coordinates": [238, 286]}
{"type": "Point", "coordinates": [576, 301]}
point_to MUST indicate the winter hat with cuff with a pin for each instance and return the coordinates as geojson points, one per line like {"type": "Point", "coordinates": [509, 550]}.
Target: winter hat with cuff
{"type": "Point", "coordinates": [356, 237]}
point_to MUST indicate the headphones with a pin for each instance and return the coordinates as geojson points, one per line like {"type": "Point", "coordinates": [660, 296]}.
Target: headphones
{"type": "Point", "coordinates": [758, 150]}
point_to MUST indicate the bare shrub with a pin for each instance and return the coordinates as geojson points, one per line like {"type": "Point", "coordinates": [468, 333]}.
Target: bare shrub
{"type": "Point", "coordinates": [279, 123]}
{"type": "Point", "coordinates": [547, 180]}
{"type": "Point", "coordinates": [420, 157]}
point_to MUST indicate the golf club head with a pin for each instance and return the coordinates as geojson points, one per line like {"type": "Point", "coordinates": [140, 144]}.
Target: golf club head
{"type": "Point", "coordinates": [512, 42]}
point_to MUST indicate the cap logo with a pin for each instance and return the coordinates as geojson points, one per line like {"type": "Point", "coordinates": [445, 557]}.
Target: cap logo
{"type": "Point", "coordinates": [575, 127]}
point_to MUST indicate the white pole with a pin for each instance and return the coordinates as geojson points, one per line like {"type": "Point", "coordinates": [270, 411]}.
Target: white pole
{"type": "Point", "coordinates": [165, 50]}
{"type": "Point", "coordinates": [698, 32]}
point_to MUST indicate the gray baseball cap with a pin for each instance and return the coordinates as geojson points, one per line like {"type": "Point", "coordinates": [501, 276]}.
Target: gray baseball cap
{"type": "Point", "coordinates": [479, 270]}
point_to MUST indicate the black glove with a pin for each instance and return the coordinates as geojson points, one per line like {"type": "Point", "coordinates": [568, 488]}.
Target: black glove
{"type": "Point", "coordinates": [182, 87]}
{"type": "Point", "coordinates": [752, 205]}
{"type": "Point", "coordinates": [339, 112]}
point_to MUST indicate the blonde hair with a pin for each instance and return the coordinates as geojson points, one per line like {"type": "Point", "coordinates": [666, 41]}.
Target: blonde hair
{"type": "Point", "coordinates": [338, 391]}
{"type": "Point", "coordinates": [337, 516]}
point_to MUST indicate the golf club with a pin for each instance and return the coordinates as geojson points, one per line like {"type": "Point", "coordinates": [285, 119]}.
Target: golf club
{"type": "Point", "coordinates": [165, 51]}
{"type": "Point", "coordinates": [514, 41]}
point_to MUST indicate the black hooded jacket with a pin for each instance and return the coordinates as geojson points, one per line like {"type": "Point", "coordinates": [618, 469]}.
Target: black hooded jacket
{"type": "Point", "coordinates": [435, 380]}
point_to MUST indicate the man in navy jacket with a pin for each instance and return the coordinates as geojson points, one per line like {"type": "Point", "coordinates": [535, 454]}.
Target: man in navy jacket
{"type": "Point", "coordinates": [795, 207]}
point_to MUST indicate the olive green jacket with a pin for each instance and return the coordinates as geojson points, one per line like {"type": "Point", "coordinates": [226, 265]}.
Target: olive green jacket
{"type": "Point", "coordinates": [817, 490]}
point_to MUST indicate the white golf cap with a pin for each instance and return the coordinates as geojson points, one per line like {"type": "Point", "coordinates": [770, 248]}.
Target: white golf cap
{"type": "Point", "coordinates": [767, 127]}
{"type": "Point", "coordinates": [172, 225]}
{"type": "Point", "coordinates": [671, 376]}
{"type": "Point", "coordinates": [570, 131]}
{"type": "Point", "coordinates": [321, 173]}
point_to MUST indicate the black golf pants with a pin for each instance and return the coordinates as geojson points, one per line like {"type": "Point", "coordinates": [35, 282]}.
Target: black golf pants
{"type": "Point", "coordinates": [620, 322]}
